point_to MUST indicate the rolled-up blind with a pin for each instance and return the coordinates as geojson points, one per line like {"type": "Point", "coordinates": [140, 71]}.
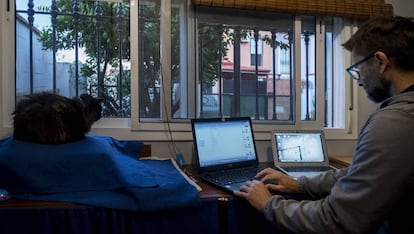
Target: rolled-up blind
{"type": "Point", "coordinates": [342, 8]}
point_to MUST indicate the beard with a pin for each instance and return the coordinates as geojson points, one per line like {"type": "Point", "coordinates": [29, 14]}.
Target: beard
{"type": "Point", "coordinates": [376, 87]}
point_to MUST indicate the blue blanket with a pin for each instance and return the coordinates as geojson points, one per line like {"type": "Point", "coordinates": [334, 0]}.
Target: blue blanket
{"type": "Point", "coordinates": [99, 171]}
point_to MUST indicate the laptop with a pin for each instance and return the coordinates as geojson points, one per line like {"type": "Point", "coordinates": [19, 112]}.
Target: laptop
{"type": "Point", "coordinates": [225, 151]}
{"type": "Point", "coordinates": [300, 153]}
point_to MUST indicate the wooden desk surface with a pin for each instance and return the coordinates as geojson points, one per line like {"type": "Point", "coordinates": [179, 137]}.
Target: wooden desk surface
{"type": "Point", "coordinates": [340, 161]}
{"type": "Point", "coordinates": [18, 203]}
{"type": "Point", "coordinates": [208, 191]}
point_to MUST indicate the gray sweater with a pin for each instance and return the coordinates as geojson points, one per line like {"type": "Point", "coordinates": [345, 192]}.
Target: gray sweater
{"type": "Point", "coordinates": [375, 194]}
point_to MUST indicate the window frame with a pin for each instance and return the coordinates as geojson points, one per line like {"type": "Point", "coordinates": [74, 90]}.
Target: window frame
{"type": "Point", "coordinates": [177, 129]}
{"type": "Point", "coordinates": [181, 129]}
{"type": "Point", "coordinates": [7, 67]}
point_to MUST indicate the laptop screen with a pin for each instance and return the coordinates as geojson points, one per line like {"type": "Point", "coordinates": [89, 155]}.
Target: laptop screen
{"type": "Point", "coordinates": [223, 141]}
{"type": "Point", "coordinates": [299, 147]}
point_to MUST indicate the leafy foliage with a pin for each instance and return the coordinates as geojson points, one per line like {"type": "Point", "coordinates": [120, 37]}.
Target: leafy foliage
{"type": "Point", "coordinates": [102, 30]}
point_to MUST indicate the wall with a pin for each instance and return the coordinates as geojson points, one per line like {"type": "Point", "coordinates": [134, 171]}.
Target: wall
{"type": "Point", "coordinates": [403, 7]}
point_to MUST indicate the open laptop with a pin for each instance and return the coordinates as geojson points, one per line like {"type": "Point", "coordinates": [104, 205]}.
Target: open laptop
{"type": "Point", "coordinates": [224, 147]}
{"type": "Point", "coordinates": [300, 153]}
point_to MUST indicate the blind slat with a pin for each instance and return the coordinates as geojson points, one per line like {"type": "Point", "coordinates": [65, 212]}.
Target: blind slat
{"type": "Point", "coordinates": [343, 8]}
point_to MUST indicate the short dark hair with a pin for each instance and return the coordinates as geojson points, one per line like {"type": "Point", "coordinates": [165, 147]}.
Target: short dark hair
{"type": "Point", "coordinates": [392, 35]}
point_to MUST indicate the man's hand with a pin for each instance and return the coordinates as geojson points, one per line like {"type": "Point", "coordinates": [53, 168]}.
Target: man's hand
{"type": "Point", "coordinates": [256, 193]}
{"type": "Point", "coordinates": [277, 181]}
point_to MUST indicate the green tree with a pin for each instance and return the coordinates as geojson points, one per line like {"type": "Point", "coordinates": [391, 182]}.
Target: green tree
{"type": "Point", "coordinates": [97, 28]}
{"type": "Point", "coordinates": [102, 30]}
{"type": "Point", "coordinates": [150, 63]}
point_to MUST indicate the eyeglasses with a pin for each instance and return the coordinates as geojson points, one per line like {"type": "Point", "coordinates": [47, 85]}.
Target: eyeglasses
{"type": "Point", "coordinates": [353, 70]}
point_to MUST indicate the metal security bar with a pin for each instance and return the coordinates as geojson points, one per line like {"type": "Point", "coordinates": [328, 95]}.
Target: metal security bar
{"type": "Point", "coordinates": [74, 47]}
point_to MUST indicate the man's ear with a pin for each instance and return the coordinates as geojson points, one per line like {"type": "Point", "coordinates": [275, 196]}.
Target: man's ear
{"type": "Point", "coordinates": [382, 60]}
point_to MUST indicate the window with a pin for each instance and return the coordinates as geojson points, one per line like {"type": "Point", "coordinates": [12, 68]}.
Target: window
{"type": "Point", "coordinates": [242, 89]}
{"type": "Point", "coordinates": [308, 69]}
{"type": "Point", "coordinates": [256, 51]}
{"type": "Point", "coordinates": [73, 47]}
{"type": "Point", "coordinates": [284, 61]}
{"type": "Point", "coordinates": [297, 82]}
{"type": "Point", "coordinates": [157, 70]}
{"type": "Point", "coordinates": [159, 85]}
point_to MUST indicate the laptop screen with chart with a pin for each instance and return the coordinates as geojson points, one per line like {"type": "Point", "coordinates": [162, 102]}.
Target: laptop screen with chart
{"type": "Point", "coordinates": [300, 153]}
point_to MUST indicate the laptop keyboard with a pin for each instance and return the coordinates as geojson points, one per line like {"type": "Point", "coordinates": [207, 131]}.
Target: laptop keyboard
{"type": "Point", "coordinates": [234, 175]}
{"type": "Point", "coordinates": [307, 169]}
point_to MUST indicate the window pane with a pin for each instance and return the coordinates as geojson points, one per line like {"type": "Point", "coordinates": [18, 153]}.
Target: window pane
{"type": "Point", "coordinates": [329, 114]}
{"type": "Point", "coordinates": [256, 52]}
{"type": "Point", "coordinates": [73, 47]}
{"type": "Point", "coordinates": [336, 32]}
{"type": "Point", "coordinates": [308, 75]}
{"type": "Point", "coordinates": [149, 59]}
{"type": "Point", "coordinates": [230, 83]}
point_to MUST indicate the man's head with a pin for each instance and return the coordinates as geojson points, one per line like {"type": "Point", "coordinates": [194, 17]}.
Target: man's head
{"type": "Point", "coordinates": [381, 48]}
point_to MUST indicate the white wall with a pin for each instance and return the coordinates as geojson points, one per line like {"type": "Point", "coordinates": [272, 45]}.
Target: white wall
{"type": "Point", "coordinates": [402, 7]}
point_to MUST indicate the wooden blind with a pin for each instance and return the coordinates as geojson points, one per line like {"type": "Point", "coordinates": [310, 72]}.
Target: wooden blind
{"type": "Point", "coordinates": [342, 8]}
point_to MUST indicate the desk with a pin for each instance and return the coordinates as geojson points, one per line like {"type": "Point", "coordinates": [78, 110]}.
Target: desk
{"type": "Point", "coordinates": [235, 215]}
{"type": "Point", "coordinates": [35, 217]}
{"type": "Point", "coordinates": [218, 212]}
{"type": "Point", "coordinates": [340, 161]}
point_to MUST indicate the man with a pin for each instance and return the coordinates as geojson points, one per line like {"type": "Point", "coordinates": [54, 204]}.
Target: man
{"type": "Point", "coordinates": [375, 194]}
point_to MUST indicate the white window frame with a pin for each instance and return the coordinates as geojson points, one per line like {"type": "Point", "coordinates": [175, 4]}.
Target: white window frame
{"type": "Point", "coordinates": [165, 125]}
{"type": "Point", "coordinates": [132, 128]}
{"type": "Point", "coordinates": [7, 58]}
